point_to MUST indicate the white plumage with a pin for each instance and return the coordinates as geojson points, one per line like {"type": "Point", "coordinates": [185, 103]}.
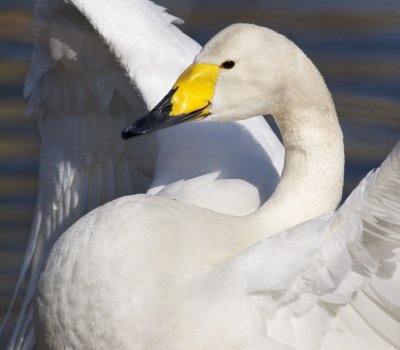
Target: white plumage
{"type": "Point", "coordinates": [345, 263]}
{"type": "Point", "coordinates": [146, 272]}
{"type": "Point", "coordinates": [84, 98]}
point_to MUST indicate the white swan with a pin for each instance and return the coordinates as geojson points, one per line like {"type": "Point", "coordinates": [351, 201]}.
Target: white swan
{"type": "Point", "coordinates": [146, 272]}
{"type": "Point", "coordinates": [84, 99]}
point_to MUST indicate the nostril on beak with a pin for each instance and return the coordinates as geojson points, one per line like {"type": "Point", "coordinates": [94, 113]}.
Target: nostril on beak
{"type": "Point", "coordinates": [167, 109]}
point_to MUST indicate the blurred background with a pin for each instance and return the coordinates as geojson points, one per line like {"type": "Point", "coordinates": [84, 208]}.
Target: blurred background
{"type": "Point", "coordinates": [354, 43]}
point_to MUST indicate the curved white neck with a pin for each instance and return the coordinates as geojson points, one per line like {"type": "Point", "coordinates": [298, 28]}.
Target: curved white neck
{"type": "Point", "coordinates": [312, 176]}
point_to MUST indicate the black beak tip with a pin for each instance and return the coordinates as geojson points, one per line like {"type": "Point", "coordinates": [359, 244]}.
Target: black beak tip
{"type": "Point", "coordinates": [127, 133]}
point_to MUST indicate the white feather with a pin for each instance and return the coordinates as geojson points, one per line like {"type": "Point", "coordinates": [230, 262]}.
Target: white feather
{"type": "Point", "coordinates": [333, 260]}
{"type": "Point", "coordinates": [84, 98]}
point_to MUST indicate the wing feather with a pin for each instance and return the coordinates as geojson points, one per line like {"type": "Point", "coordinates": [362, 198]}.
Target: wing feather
{"type": "Point", "coordinates": [82, 95]}
{"type": "Point", "coordinates": [346, 260]}
{"type": "Point", "coordinates": [85, 94]}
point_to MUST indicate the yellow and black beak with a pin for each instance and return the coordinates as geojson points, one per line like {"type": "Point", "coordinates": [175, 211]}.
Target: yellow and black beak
{"type": "Point", "coordinates": [160, 117]}
{"type": "Point", "coordinates": [189, 99]}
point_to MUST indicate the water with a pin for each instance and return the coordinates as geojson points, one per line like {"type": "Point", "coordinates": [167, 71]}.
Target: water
{"type": "Point", "coordinates": [355, 44]}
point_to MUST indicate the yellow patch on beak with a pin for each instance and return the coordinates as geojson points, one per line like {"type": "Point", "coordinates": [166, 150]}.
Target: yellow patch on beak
{"type": "Point", "coordinates": [195, 89]}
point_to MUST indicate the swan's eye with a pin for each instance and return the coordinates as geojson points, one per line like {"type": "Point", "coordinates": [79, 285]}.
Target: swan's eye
{"type": "Point", "coordinates": [227, 64]}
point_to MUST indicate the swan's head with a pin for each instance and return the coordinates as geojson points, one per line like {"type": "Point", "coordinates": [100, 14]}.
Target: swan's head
{"type": "Point", "coordinates": [241, 72]}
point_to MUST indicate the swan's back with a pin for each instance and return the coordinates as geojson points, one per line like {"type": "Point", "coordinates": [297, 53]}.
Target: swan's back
{"type": "Point", "coordinates": [238, 165]}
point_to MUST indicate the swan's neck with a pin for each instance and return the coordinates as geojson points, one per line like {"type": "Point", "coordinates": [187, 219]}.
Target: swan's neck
{"type": "Point", "coordinates": [312, 176]}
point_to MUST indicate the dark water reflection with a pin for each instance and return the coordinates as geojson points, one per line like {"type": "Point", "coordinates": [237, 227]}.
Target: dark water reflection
{"type": "Point", "coordinates": [355, 44]}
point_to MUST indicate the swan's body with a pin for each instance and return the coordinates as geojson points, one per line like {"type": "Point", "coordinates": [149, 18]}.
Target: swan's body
{"type": "Point", "coordinates": [182, 289]}
{"type": "Point", "coordinates": [84, 98]}
{"type": "Point", "coordinates": [148, 273]}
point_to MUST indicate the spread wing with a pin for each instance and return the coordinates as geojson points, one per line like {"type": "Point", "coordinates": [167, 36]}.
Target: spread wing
{"type": "Point", "coordinates": [334, 282]}
{"type": "Point", "coordinates": [98, 65]}
{"type": "Point", "coordinates": [84, 98]}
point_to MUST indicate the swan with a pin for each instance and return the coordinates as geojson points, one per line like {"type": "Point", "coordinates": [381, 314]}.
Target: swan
{"type": "Point", "coordinates": [84, 97]}
{"type": "Point", "coordinates": [147, 272]}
